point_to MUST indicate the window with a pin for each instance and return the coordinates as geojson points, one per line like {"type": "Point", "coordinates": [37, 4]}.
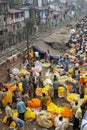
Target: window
{"type": "Point", "coordinates": [13, 27]}
{"type": "Point", "coordinates": [11, 15]}
{"type": "Point", "coordinates": [1, 32]}
{"type": "Point", "coordinates": [18, 26]}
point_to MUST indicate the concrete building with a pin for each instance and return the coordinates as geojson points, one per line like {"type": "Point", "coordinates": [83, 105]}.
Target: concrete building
{"type": "Point", "coordinates": [13, 12]}
{"type": "Point", "coordinates": [3, 20]}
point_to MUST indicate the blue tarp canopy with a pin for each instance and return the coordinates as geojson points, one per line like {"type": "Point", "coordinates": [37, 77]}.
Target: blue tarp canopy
{"type": "Point", "coordinates": [43, 52]}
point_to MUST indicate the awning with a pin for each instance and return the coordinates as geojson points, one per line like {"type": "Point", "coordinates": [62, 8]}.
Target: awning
{"type": "Point", "coordinates": [43, 47]}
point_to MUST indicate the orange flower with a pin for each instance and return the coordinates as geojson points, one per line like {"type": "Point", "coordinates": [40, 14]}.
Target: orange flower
{"type": "Point", "coordinates": [39, 91]}
{"type": "Point", "coordinates": [7, 86]}
{"type": "Point", "coordinates": [81, 80]}
{"type": "Point", "coordinates": [34, 103]}
{"type": "Point", "coordinates": [10, 88]}
{"type": "Point", "coordinates": [67, 112]}
{"type": "Point", "coordinates": [69, 88]}
{"type": "Point", "coordinates": [30, 104]}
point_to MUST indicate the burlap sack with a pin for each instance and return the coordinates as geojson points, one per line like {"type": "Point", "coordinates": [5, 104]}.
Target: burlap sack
{"type": "Point", "coordinates": [45, 119]}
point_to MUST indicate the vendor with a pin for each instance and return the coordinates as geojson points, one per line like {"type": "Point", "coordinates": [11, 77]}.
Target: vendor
{"type": "Point", "coordinates": [44, 101]}
{"type": "Point", "coordinates": [66, 64]}
{"type": "Point", "coordinates": [55, 86]}
{"type": "Point", "coordinates": [62, 71]}
{"type": "Point", "coordinates": [37, 56]}
{"type": "Point", "coordinates": [73, 89]}
{"type": "Point", "coordinates": [60, 124]}
{"type": "Point", "coordinates": [60, 61]}
{"type": "Point", "coordinates": [81, 90]}
{"type": "Point", "coordinates": [74, 109]}
{"type": "Point", "coordinates": [8, 111]}
{"type": "Point", "coordinates": [77, 77]}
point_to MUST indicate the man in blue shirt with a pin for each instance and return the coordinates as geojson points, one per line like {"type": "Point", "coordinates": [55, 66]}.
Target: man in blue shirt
{"type": "Point", "coordinates": [21, 109]}
{"type": "Point", "coordinates": [80, 41]}
{"type": "Point", "coordinates": [60, 61]}
{"type": "Point", "coordinates": [66, 64]}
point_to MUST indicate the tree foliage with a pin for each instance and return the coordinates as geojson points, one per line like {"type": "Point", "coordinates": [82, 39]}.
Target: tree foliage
{"type": "Point", "coordinates": [29, 23]}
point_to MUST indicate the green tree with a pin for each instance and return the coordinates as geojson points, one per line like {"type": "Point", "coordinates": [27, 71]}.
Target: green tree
{"type": "Point", "coordinates": [29, 23]}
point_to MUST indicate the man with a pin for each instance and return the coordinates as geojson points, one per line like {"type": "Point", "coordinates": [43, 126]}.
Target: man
{"type": "Point", "coordinates": [21, 109]}
{"type": "Point", "coordinates": [8, 111]}
{"type": "Point", "coordinates": [66, 64]}
{"type": "Point", "coordinates": [37, 56]}
{"type": "Point", "coordinates": [60, 124]}
{"type": "Point", "coordinates": [78, 117]}
{"type": "Point", "coordinates": [55, 86]}
{"type": "Point", "coordinates": [81, 90]}
{"type": "Point", "coordinates": [1, 98]}
{"type": "Point", "coordinates": [74, 109]}
{"type": "Point", "coordinates": [19, 123]}
{"type": "Point", "coordinates": [44, 101]}
{"type": "Point", "coordinates": [14, 99]}
{"type": "Point", "coordinates": [25, 84]}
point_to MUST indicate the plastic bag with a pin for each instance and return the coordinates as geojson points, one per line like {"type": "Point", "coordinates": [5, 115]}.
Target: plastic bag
{"type": "Point", "coordinates": [15, 71]}
{"type": "Point", "coordinates": [7, 98]}
{"type": "Point", "coordinates": [29, 114]}
{"type": "Point", "coordinates": [4, 120]}
{"type": "Point", "coordinates": [13, 125]}
{"type": "Point", "coordinates": [20, 86]}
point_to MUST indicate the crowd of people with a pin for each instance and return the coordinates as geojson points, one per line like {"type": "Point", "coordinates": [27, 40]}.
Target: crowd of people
{"type": "Point", "coordinates": [78, 40]}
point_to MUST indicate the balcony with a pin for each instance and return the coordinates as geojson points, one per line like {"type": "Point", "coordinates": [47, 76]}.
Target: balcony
{"type": "Point", "coordinates": [15, 20]}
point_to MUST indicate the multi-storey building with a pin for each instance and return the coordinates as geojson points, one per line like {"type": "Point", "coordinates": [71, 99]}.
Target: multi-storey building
{"type": "Point", "coordinates": [3, 20]}
{"type": "Point", "coordinates": [13, 13]}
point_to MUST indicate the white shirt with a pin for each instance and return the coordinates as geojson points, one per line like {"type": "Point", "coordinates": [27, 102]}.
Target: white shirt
{"type": "Point", "coordinates": [36, 54]}
{"type": "Point", "coordinates": [59, 125]}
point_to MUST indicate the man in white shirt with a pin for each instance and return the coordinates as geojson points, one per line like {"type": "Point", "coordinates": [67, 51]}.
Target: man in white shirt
{"type": "Point", "coordinates": [78, 117]}
{"type": "Point", "coordinates": [36, 55]}
{"type": "Point", "coordinates": [60, 124]}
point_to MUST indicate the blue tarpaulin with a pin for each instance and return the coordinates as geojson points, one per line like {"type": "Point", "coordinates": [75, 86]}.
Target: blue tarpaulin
{"type": "Point", "coordinates": [41, 53]}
